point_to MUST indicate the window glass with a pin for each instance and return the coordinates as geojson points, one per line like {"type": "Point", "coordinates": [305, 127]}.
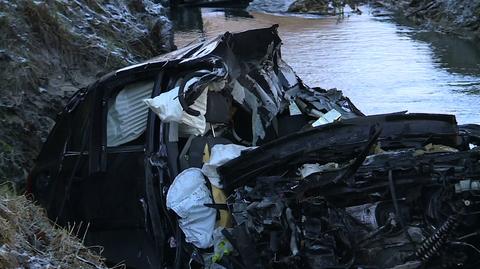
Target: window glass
{"type": "Point", "coordinates": [127, 113]}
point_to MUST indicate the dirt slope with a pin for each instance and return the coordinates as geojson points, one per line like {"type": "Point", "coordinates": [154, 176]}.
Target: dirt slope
{"type": "Point", "coordinates": [49, 49]}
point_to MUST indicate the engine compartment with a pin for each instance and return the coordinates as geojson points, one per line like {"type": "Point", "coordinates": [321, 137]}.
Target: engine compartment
{"type": "Point", "coordinates": [401, 209]}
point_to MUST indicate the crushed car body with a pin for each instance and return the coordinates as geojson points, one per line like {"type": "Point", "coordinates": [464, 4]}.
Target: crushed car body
{"type": "Point", "coordinates": [217, 155]}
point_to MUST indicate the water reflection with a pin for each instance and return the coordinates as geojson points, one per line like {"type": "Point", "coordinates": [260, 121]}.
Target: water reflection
{"type": "Point", "coordinates": [272, 6]}
{"type": "Point", "coordinates": [454, 54]}
{"type": "Point", "coordinates": [382, 66]}
{"type": "Point", "coordinates": [235, 13]}
{"type": "Point", "coordinates": [187, 19]}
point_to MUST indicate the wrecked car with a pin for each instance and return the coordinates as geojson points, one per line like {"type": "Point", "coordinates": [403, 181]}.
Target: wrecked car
{"type": "Point", "coordinates": [217, 155]}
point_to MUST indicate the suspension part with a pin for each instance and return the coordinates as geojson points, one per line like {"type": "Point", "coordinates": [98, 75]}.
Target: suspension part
{"type": "Point", "coordinates": [434, 243]}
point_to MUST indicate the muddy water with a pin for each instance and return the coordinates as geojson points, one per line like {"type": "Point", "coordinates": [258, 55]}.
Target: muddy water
{"type": "Point", "coordinates": [382, 66]}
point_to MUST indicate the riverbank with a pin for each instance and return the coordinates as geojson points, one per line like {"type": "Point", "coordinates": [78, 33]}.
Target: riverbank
{"type": "Point", "coordinates": [323, 7]}
{"type": "Point", "coordinates": [29, 240]}
{"type": "Point", "coordinates": [50, 49]}
{"type": "Point", "coordinates": [458, 17]}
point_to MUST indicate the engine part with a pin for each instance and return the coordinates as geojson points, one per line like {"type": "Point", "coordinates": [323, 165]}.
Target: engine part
{"type": "Point", "coordinates": [432, 245]}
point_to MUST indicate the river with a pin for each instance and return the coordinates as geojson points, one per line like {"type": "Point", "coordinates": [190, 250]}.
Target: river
{"type": "Point", "coordinates": [381, 65]}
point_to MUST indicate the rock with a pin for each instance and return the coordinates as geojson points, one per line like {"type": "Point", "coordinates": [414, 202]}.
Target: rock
{"type": "Point", "coordinates": [461, 17]}
{"type": "Point", "coordinates": [61, 46]}
{"type": "Point", "coordinates": [314, 6]}
{"type": "Point", "coordinates": [323, 7]}
{"type": "Point", "coordinates": [68, 90]}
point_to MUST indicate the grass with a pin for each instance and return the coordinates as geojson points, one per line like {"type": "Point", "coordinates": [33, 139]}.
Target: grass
{"type": "Point", "coordinates": [28, 239]}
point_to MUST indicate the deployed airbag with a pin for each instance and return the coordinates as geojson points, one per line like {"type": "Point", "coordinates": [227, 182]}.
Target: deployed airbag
{"type": "Point", "coordinates": [220, 154]}
{"type": "Point", "coordinates": [187, 196]}
{"type": "Point", "coordinates": [167, 106]}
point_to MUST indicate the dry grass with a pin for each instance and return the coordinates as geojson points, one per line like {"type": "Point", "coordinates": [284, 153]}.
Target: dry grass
{"type": "Point", "coordinates": [29, 240]}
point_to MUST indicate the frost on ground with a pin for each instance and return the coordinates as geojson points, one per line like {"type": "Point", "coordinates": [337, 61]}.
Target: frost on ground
{"type": "Point", "coordinates": [29, 240]}
{"type": "Point", "coordinates": [50, 49]}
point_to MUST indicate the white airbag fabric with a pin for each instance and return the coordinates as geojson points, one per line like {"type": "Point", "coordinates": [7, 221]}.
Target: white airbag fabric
{"type": "Point", "coordinates": [187, 196]}
{"type": "Point", "coordinates": [193, 125]}
{"type": "Point", "coordinates": [127, 115]}
{"type": "Point", "coordinates": [219, 155]}
{"type": "Point", "coordinates": [168, 108]}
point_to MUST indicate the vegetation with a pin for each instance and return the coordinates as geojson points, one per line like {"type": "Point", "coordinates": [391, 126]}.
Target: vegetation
{"type": "Point", "coordinates": [29, 240]}
{"type": "Point", "coordinates": [50, 49]}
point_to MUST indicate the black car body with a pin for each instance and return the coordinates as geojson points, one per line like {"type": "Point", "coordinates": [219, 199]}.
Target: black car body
{"type": "Point", "coordinates": [116, 182]}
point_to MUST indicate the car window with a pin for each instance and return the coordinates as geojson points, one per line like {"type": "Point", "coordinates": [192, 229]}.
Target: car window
{"type": "Point", "coordinates": [127, 113]}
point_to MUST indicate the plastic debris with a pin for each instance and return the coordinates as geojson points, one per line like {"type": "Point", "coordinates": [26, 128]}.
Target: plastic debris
{"type": "Point", "coordinates": [311, 168]}
{"type": "Point", "coordinates": [329, 117]}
